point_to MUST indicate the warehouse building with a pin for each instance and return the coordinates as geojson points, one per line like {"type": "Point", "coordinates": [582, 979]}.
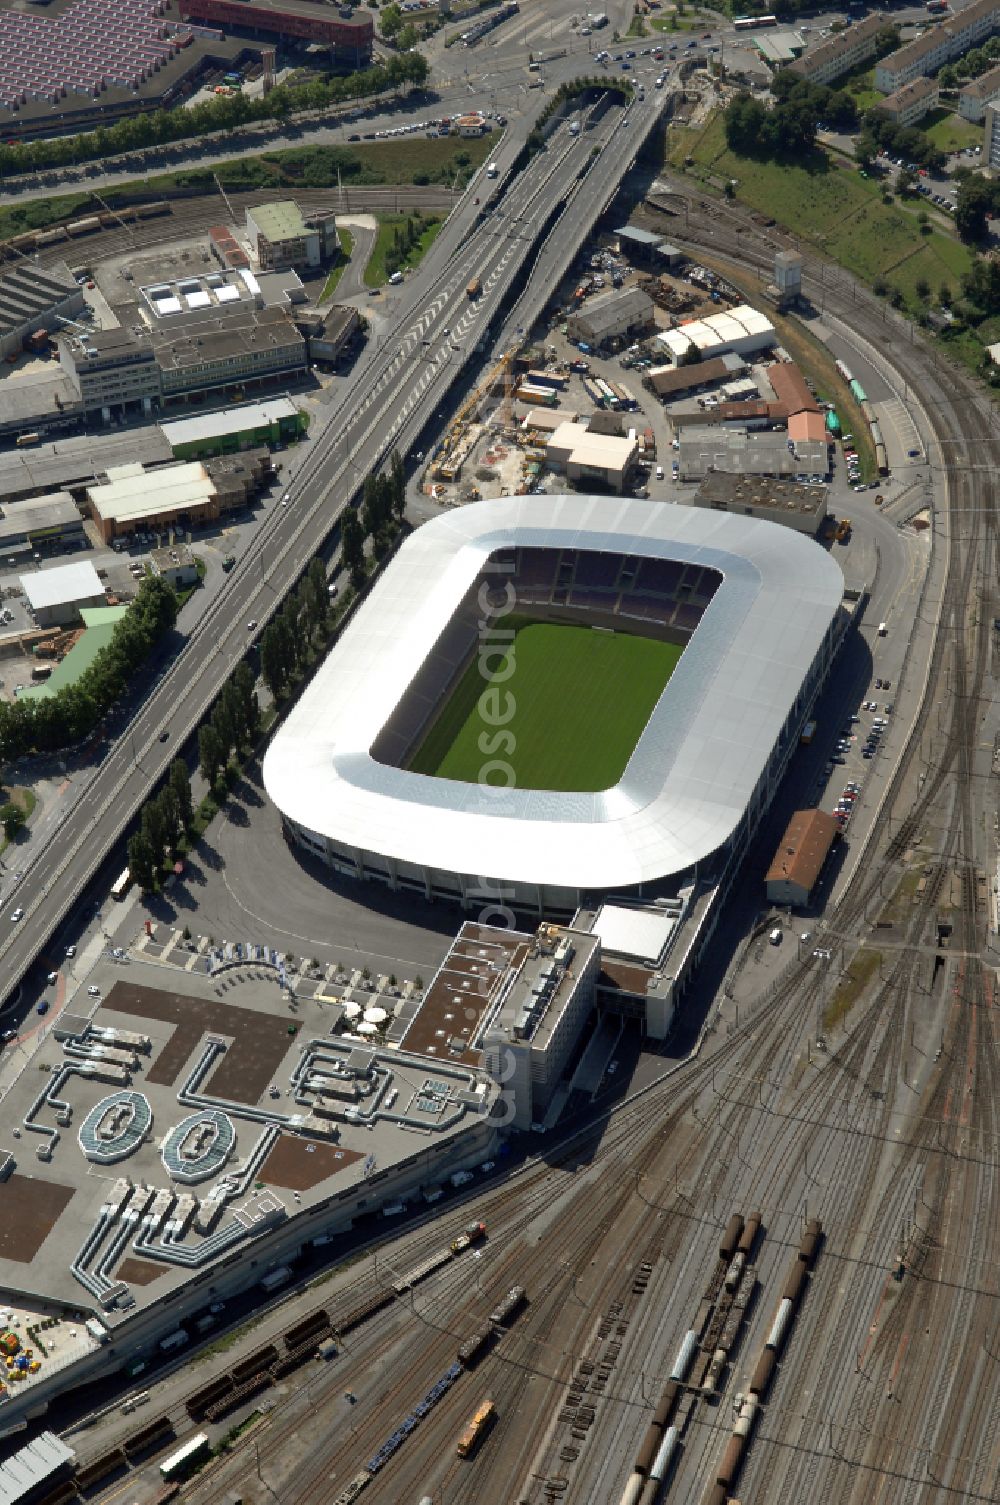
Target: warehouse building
{"type": "Point", "coordinates": [274, 421]}
{"type": "Point", "coordinates": [40, 520]}
{"type": "Point", "coordinates": [742, 330]}
{"type": "Point", "coordinates": [678, 381]}
{"type": "Point", "coordinates": [912, 102]}
{"type": "Point", "coordinates": [34, 298]}
{"type": "Point", "coordinates": [647, 248]}
{"type": "Point", "coordinates": [134, 500]}
{"type": "Point", "coordinates": [34, 1468]}
{"type": "Point", "coordinates": [281, 238]}
{"type": "Point", "coordinates": [841, 53]}
{"type": "Point", "coordinates": [799, 860]}
{"type": "Point", "coordinates": [975, 96]}
{"type": "Point", "coordinates": [787, 502]}
{"type": "Point", "coordinates": [938, 45]}
{"type": "Point", "coordinates": [347, 33]}
{"type": "Point", "coordinates": [56, 596]}
{"type": "Point", "coordinates": [599, 461]}
{"type": "Point", "coordinates": [612, 316]}
{"type": "Point", "coordinates": [741, 452]}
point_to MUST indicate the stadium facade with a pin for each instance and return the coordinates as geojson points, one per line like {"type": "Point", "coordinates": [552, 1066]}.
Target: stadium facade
{"type": "Point", "coordinates": [757, 607]}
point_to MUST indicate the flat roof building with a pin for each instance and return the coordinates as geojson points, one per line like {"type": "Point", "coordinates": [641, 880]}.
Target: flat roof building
{"type": "Point", "coordinates": [676, 381]}
{"type": "Point", "coordinates": [770, 453]}
{"type": "Point", "coordinates": [799, 859]}
{"type": "Point", "coordinates": [281, 238]}
{"type": "Point", "coordinates": [328, 330]}
{"type": "Point", "coordinates": [51, 518]}
{"type": "Point", "coordinates": [57, 595]}
{"type": "Point", "coordinates": [348, 35]}
{"type": "Point", "coordinates": [76, 461]}
{"type": "Point", "coordinates": [794, 506]}
{"type": "Point", "coordinates": [587, 458]}
{"type": "Point", "coordinates": [612, 316]}
{"type": "Point", "coordinates": [273, 421]}
{"type": "Point", "coordinates": [208, 350]}
{"type": "Point", "coordinates": [176, 565]}
{"type": "Point", "coordinates": [34, 298]}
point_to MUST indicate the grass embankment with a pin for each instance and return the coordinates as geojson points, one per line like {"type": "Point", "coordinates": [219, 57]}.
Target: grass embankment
{"type": "Point", "coordinates": [950, 133]}
{"type": "Point", "coordinates": [376, 272]}
{"type": "Point", "coordinates": [25, 801]}
{"type": "Point", "coordinates": [562, 681]}
{"type": "Point", "coordinates": [856, 979]}
{"type": "Point", "coordinates": [420, 161]}
{"type": "Point", "coordinates": [346, 252]}
{"type": "Point", "coordinates": [830, 206]}
{"type": "Point", "coordinates": [861, 87]}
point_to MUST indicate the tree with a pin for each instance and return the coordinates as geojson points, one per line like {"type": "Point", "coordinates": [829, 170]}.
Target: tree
{"type": "Point", "coordinates": [272, 660]}
{"type": "Point", "coordinates": [154, 829]}
{"type": "Point", "coordinates": [210, 753]}
{"type": "Point", "coordinates": [397, 478]}
{"type": "Point", "coordinates": [12, 818]}
{"type": "Point", "coordinates": [317, 594]}
{"type": "Point", "coordinates": [922, 289]}
{"type": "Point", "coordinates": [352, 543]}
{"type": "Point", "coordinates": [972, 202]}
{"type": "Point", "coordinates": [906, 183]}
{"type": "Point", "coordinates": [141, 861]}
{"type": "Point", "coordinates": [390, 21]}
{"type": "Point", "coordinates": [180, 782]}
{"type": "Point", "coordinates": [945, 294]}
{"type": "Point", "coordinates": [245, 687]}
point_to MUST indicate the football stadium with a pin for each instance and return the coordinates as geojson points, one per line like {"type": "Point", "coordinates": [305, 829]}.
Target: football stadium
{"type": "Point", "coordinates": [547, 699]}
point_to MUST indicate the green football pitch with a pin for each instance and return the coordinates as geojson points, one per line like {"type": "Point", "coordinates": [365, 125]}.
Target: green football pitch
{"type": "Point", "coordinates": [573, 704]}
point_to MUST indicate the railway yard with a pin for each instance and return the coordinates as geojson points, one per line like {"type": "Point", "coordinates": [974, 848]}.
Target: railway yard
{"type": "Point", "coordinates": [767, 1268]}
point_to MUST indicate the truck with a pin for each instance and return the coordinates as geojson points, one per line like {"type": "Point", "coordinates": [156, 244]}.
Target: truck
{"type": "Point", "coordinates": [474, 288]}
{"type": "Point", "coordinates": [808, 733]}
{"type": "Point", "coordinates": [174, 1340]}
{"type": "Point", "coordinates": [460, 1178]}
{"type": "Point", "coordinates": [470, 1234]}
{"type": "Point", "coordinates": [493, 170]}
{"type": "Point", "coordinates": [274, 1279]}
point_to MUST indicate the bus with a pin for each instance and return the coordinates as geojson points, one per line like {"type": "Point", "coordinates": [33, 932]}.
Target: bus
{"type": "Point", "coordinates": [750, 23]}
{"type": "Point", "coordinates": [474, 1431]}
{"type": "Point", "coordinates": [121, 885]}
{"type": "Point", "coordinates": [23, 439]}
{"type": "Point", "coordinates": [179, 1464]}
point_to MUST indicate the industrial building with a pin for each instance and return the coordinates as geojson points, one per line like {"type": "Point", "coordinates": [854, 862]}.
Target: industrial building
{"type": "Point", "coordinates": [938, 45]}
{"type": "Point", "coordinates": [34, 298]}
{"type": "Point", "coordinates": [973, 97]}
{"type": "Point", "coordinates": [113, 373]}
{"type": "Point", "coordinates": [912, 102]}
{"type": "Point", "coordinates": [794, 506]}
{"type": "Point", "coordinates": [591, 459]}
{"type": "Point", "coordinates": [841, 53]}
{"type": "Point", "coordinates": [75, 462]}
{"type": "Point", "coordinates": [347, 33]}
{"type": "Point", "coordinates": [742, 330]}
{"type": "Point", "coordinates": [37, 1466]}
{"type": "Point", "coordinates": [647, 247]}
{"type": "Point", "coordinates": [56, 596]}
{"type": "Point", "coordinates": [612, 316]}
{"type": "Point", "coordinates": [275, 421]}
{"type": "Point", "coordinates": [736, 449]}
{"type": "Point", "coordinates": [281, 237]}
{"type": "Point", "coordinates": [702, 771]}
{"type": "Point", "coordinates": [799, 860]}
{"type": "Point", "coordinates": [49, 520]}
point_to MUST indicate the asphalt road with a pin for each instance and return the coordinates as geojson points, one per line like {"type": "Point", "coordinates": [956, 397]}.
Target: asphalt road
{"type": "Point", "coordinates": [431, 332]}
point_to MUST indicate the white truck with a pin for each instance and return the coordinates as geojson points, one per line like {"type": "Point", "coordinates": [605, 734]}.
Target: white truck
{"type": "Point", "coordinates": [275, 1279]}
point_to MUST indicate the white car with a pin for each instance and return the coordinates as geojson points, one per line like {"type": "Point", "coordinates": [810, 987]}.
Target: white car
{"type": "Point", "coordinates": [17, 914]}
{"type": "Point", "coordinates": [94, 992]}
{"type": "Point", "coordinates": [70, 952]}
{"type": "Point", "coordinates": [52, 978]}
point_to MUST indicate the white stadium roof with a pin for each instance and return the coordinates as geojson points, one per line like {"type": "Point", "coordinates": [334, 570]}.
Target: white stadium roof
{"type": "Point", "coordinates": [695, 768]}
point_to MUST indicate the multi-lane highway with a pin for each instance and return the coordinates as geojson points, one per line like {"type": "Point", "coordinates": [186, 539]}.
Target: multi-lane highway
{"type": "Point", "coordinates": [396, 388]}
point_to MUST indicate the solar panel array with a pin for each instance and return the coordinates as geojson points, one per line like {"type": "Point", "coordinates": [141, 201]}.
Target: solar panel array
{"type": "Point", "coordinates": [94, 45]}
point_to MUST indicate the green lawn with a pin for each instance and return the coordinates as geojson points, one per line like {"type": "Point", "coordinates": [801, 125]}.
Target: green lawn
{"type": "Point", "coordinates": [581, 700]}
{"type": "Point", "coordinates": [376, 274]}
{"type": "Point", "coordinates": [950, 133]}
{"type": "Point", "coordinates": [346, 251]}
{"type": "Point", "coordinates": [834, 208]}
{"type": "Point", "coordinates": [861, 86]}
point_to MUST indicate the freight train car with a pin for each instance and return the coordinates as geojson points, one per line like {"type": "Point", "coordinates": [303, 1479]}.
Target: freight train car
{"type": "Point", "coordinates": [86, 226]}
{"type": "Point", "coordinates": [509, 1306]}
{"type": "Point", "coordinates": [731, 1237]}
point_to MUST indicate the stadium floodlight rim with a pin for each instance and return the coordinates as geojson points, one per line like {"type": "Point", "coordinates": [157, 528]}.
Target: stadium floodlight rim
{"type": "Point", "coordinates": [698, 766]}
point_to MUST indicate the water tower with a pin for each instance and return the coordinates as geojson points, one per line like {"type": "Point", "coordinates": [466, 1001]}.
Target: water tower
{"type": "Point", "coordinates": [788, 275]}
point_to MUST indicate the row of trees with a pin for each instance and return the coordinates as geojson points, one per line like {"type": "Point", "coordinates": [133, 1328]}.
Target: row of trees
{"type": "Point", "coordinates": [381, 513]}
{"type": "Point", "coordinates": [165, 819]}
{"type": "Point", "coordinates": [879, 133]}
{"type": "Point", "coordinates": [973, 64]}
{"type": "Point", "coordinates": [835, 107]}
{"type": "Point", "coordinates": [288, 639]}
{"type": "Point", "coordinates": [786, 132]}
{"type": "Point", "coordinates": [406, 237]}
{"type": "Point", "coordinates": [222, 113]}
{"type": "Point", "coordinates": [234, 723]}
{"type": "Point", "coordinates": [47, 723]}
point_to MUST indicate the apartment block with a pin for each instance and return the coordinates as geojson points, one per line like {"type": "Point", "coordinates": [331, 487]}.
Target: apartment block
{"type": "Point", "coordinates": [938, 45]}
{"type": "Point", "coordinates": [974, 97]}
{"type": "Point", "coordinates": [912, 102]}
{"type": "Point", "coordinates": [840, 53]}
